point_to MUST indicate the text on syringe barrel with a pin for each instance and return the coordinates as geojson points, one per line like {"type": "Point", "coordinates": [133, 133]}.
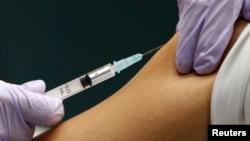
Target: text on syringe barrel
{"type": "Point", "coordinates": [83, 82]}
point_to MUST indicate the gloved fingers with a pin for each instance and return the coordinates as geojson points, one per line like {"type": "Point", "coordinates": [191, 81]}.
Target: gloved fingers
{"type": "Point", "coordinates": [212, 43]}
{"type": "Point", "coordinates": [37, 86]}
{"type": "Point", "coordinates": [246, 10]}
{"type": "Point", "coordinates": [11, 121]}
{"type": "Point", "coordinates": [35, 108]}
{"type": "Point", "coordinates": [181, 4]}
{"type": "Point", "coordinates": [45, 105]}
{"type": "Point", "coordinates": [21, 109]}
{"type": "Point", "coordinates": [40, 109]}
{"type": "Point", "coordinates": [190, 24]}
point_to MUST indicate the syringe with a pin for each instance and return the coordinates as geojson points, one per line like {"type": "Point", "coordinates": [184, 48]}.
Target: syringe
{"type": "Point", "coordinates": [93, 78]}
{"type": "Point", "coordinates": [90, 79]}
{"type": "Point", "coordinates": [96, 76]}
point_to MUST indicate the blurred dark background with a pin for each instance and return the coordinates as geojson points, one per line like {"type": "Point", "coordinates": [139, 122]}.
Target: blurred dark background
{"type": "Point", "coordinates": [59, 40]}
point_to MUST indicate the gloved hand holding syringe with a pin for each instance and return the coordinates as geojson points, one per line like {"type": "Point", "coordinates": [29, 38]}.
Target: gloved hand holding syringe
{"type": "Point", "coordinates": [92, 78]}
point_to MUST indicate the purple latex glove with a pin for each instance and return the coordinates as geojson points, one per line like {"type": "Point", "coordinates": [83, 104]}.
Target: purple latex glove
{"type": "Point", "coordinates": [206, 27]}
{"type": "Point", "coordinates": [23, 106]}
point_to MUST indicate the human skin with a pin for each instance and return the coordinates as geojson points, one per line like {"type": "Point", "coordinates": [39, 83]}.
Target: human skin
{"type": "Point", "coordinates": [157, 104]}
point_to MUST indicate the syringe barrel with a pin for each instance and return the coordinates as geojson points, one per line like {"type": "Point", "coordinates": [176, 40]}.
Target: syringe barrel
{"type": "Point", "coordinates": [83, 82]}
{"type": "Point", "coordinates": [67, 89]}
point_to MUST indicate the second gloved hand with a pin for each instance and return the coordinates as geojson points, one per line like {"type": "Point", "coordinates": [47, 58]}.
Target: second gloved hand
{"type": "Point", "coordinates": [205, 28]}
{"type": "Point", "coordinates": [23, 106]}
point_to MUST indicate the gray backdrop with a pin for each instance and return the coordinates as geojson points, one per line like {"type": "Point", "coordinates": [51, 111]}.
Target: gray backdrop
{"type": "Point", "coordinates": [59, 40]}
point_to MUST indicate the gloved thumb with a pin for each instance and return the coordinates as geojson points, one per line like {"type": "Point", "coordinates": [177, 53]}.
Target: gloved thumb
{"type": "Point", "coordinates": [37, 86]}
{"type": "Point", "coordinates": [246, 10]}
{"type": "Point", "coordinates": [37, 108]}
